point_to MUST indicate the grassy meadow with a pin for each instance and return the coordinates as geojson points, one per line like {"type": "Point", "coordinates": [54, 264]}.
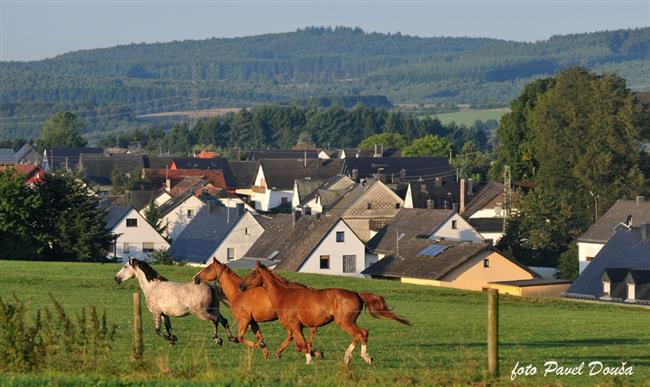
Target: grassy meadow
{"type": "Point", "coordinates": [445, 344]}
{"type": "Point", "coordinates": [468, 117]}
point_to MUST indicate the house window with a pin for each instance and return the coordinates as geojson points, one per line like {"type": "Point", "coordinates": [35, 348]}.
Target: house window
{"type": "Point", "coordinates": [147, 247]}
{"type": "Point", "coordinates": [125, 247]}
{"type": "Point", "coordinates": [131, 223]}
{"type": "Point", "coordinates": [349, 263]}
{"type": "Point", "coordinates": [324, 261]}
{"type": "Point", "coordinates": [230, 253]}
{"type": "Point", "coordinates": [340, 236]}
{"type": "Point", "coordinates": [454, 224]}
{"type": "Point", "coordinates": [190, 213]}
{"type": "Point", "coordinates": [486, 262]}
{"type": "Point", "coordinates": [369, 205]}
{"type": "Point", "coordinates": [247, 231]}
{"type": "Point", "coordinates": [397, 206]}
{"type": "Point", "coordinates": [284, 200]}
{"type": "Point", "coordinates": [588, 259]}
{"type": "Point", "coordinates": [307, 210]}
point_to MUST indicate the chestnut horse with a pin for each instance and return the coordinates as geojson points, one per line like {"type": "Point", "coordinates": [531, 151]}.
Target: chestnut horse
{"type": "Point", "coordinates": [249, 307]}
{"type": "Point", "coordinates": [307, 307]}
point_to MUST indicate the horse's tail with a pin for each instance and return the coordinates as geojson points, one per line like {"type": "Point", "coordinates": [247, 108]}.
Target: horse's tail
{"type": "Point", "coordinates": [377, 307]}
{"type": "Point", "coordinates": [219, 295]}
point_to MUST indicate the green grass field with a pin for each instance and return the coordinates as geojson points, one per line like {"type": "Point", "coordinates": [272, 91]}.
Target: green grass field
{"type": "Point", "coordinates": [445, 345]}
{"type": "Point", "coordinates": [468, 117]}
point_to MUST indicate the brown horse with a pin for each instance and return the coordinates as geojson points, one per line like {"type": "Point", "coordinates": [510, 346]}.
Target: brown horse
{"type": "Point", "coordinates": [249, 307]}
{"type": "Point", "coordinates": [306, 307]}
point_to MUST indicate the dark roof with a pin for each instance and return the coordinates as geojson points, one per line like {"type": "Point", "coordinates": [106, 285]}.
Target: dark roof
{"type": "Point", "coordinates": [27, 153]}
{"type": "Point", "coordinates": [250, 263]}
{"type": "Point", "coordinates": [307, 187]}
{"type": "Point", "coordinates": [277, 229]}
{"type": "Point", "coordinates": [216, 163]}
{"type": "Point", "coordinates": [98, 167]}
{"type": "Point", "coordinates": [533, 282]}
{"type": "Point", "coordinates": [172, 203]}
{"type": "Point", "coordinates": [443, 192]}
{"type": "Point", "coordinates": [307, 234]}
{"type": "Point", "coordinates": [283, 154]}
{"type": "Point", "coordinates": [60, 157]}
{"type": "Point", "coordinates": [415, 168]}
{"type": "Point", "coordinates": [356, 152]}
{"type": "Point", "coordinates": [281, 173]}
{"type": "Point", "coordinates": [413, 223]}
{"type": "Point", "coordinates": [330, 191]}
{"type": "Point", "coordinates": [624, 250]}
{"type": "Point", "coordinates": [486, 196]}
{"type": "Point", "coordinates": [204, 233]}
{"type": "Point", "coordinates": [158, 162]}
{"type": "Point", "coordinates": [486, 224]}
{"type": "Point", "coordinates": [244, 173]}
{"type": "Point", "coordinates": [410, 263]}
{"type": "Point", "coordinates": [603, 229]}
{"type": "Point", "coordinates": [115, 215]}
{"type": "Point", "coordinates": [7, 156]}
{"type": "Point", "coordinates": [141, 199]}
{"type": "Point", "coordinates": [614, 274]}
{"type": "Point", "coordinates": [638, 276]}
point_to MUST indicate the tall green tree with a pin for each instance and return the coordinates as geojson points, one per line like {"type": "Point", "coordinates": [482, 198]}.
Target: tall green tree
{"type": "Point", "coordinates": [152, 214]}
{"type": "Point", "coordinates": [19, 206]}
{"type": "Point", "coordinates": [388, 140]}
{"type": "Point", "coordinates": [63, 130]}
{"type": "Point", "coordinates": [430, 145]}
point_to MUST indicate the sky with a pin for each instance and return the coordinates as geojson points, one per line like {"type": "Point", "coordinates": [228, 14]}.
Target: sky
{"type": "Point", "coordinates": [39, 29]}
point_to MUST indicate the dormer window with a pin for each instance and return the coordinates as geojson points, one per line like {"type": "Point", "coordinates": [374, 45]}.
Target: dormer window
{"type": "Point", "coordinates": [370, 205]}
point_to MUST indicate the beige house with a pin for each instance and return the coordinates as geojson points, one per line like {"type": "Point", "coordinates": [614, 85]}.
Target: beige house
{"type": "Point", "coordinates": [460, 265]}
{"type": "Point", "coordinates": [368, 207]}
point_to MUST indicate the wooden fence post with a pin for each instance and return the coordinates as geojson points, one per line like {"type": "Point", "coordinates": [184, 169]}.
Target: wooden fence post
{"type": "Point", "coordinates": [138, 344]}
{"type": "Point", "coordinates": [493, 332]}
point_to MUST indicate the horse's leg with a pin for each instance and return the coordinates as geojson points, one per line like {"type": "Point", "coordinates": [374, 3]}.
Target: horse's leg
{"type": "Point", "coordinates": [224, 323]}
{"type": "Point", "coordinates": [310, 342]}
{"type": "Point", "coordinates": [157, 317]}
{"type": "Point", "coordinates": [244, 320]}
{"type": "Point", "coordinates": [364, 345]}
{"type": "Point", "coordinates": [284, 345]}
{"type": "Point", "coordinates": [348, 323]}
{"type": "Point", "coordinates": [205, 315]}
{"type": "Point", "coordinates": [301, 344]}
{"type": "Point", "coordinates": [260, 339]}
{"type": "Point", "coordinates": [168, 328]}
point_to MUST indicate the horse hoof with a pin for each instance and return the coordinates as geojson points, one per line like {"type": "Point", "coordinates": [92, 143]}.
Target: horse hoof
{"type": "Point", "coordinates": [278, 355]}
{"type": "Point", "coordinates": [319, 354]}
{"type": "Point", "coordinates": [262, 344]}
{"type": "Point", "coordinates": [174, 338]}
{"type": "Point", "coordinates": [266, 354]}
{"type": "Point", "coordinates": [347, 360]}
{"type": "Point", "coordinates": [233, 340]}
{"type": "Point", "coordinates": [218, 341]}
{"type": "Point", "coordinates": [368, 360]}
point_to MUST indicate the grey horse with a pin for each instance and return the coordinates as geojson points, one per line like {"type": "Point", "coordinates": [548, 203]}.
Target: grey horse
{"type": "Point", "coordinates": [167, 299]}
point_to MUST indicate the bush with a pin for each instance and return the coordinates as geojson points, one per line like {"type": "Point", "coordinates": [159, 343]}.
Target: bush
{"type": "Point", "coordinates": [568, 263]}
{"type": "Point", "coordinates": [162, 257]}
{"type": "Point", "coordinates": [53, 340]}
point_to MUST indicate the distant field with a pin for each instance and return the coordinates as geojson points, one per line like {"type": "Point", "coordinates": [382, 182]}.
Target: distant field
{"type": "Point", "coordinates": [468, 117]}
{"type": "Point", "coordinates": [445, 345]}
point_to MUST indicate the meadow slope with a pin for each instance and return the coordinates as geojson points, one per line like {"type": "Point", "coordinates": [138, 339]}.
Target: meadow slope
{"type": "Point", "coordinates": [445, 345]}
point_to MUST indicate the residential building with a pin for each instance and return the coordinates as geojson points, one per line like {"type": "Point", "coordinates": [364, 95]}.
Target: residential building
{"type": "Point", "coordinates": [217, 232]}
{"type": "Point", "coordinates": [393, 170]}
{"type": "Point", "coordinates": [178, 212]}
{"type": "Point", "coordinates": [135, 237]}
{"type": "Point", "coordinates": [33, 173]}
{"type": "Point", "coordinates": [7, 156]}
{"type": "Point", "coordinates": [620, 271]}
{"type": "Point", "coordinates": [485, 211]}
{"type": "Point", "coordinates": [65, 158]}
{"type": "Point", "coordinates": [632, 212]}
{"type": "Point", "coordinates": [460, 265]}
{"type": "Point", "coordinates": [312, 197]}
{"type": "Point", "coordinates": [277, 230]}
{"type": "Point", "coordinates": [287, 154]}
{"type": "Point", "coordinates": [99, 167]}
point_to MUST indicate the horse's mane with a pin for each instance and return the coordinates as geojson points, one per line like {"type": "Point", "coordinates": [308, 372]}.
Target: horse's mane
{"type": "Point", "coordinates": [149, 273]}
{"type": "Point", "coordinates": [285, 281]}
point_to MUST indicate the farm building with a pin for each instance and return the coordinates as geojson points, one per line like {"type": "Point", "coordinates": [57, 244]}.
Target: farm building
{"type": "Point", "coordinates": [460, 265]}
{"type": "Point", "coordinates": [620, 272]}
{"type": "Point", "coordinates": [635, 212]}
{"type": "Point", "coordinates": [135, 236]}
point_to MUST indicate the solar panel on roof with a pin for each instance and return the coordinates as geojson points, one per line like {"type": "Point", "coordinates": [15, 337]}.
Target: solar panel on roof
{"type": "Point", "coordinates": [432, 250]}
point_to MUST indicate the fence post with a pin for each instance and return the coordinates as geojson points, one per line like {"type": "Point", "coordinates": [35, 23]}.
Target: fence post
{"type": "Point", "coordinates": [138, 344]}
{"type": "Point", "coordinates": [493, 332]}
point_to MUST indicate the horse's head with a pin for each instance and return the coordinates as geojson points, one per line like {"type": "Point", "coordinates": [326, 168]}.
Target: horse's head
{"type": "Point", "coordinates": [254, 278]}
{"type": "Point", "coordinates": [127, 272]}
{"type": "Point", "coordinates": [212, 272]}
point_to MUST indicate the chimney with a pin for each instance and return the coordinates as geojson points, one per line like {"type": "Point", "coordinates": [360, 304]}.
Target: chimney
{"type": "Point", "coordinates": [355, 174]}
{"type": "Point", "coordinates": [429, 204]}
{"type": "Point", "coordinates": [455, 207]}
{"type": "Point", "coordinates": [168, 184]}
{"type": "Point", "coordinates": [470, 186]}
{"type": "Point", "coordinates": [438, 182]}
{"type": "Point", "coordinates": [240, 209]}
{"type": "Point", "coordinates": [462, 195]}
{"type": "Point", "coordinates": [375, 154]}
{"type": "Point", "coordinates": [639, 200]}
{"type": "Point", "coordinates": [295, 215]}
{"type": "Point", "coordinates": [211, 204]}
{"type": "Point", "coordinates": [645, 232]}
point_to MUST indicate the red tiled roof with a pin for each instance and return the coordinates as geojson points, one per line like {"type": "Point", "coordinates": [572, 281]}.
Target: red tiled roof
{"type": "Point", "coordinates": [215, 177]}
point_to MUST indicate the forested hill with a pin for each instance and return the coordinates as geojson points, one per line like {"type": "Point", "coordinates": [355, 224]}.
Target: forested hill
{"type": "Point", "coordinates": [108, 87]}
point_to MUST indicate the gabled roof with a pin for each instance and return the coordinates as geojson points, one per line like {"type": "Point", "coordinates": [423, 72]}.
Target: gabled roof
{"type": "Point", "coordinates": [204, 233]}
{"type": "Point", "coordinates": [306, 187]}
{"type": "Point", "coordinates": [216, 163]}
{"type": "Point", "coordinates": [115, 215]}
{"type": "Point", "coordinates": [244, 173]}
{"type": "Point", "coordinates": [280, 174]}
{"type": "Point", "coordinates": [33, 172]}
{"type": "Point", "coordinates": [7, 156]}
{"type": "Point", "coordinates": [60, 157]}
{"type": "Point", "coordinates": [99, 167]}
{"type": "Point", "coordinates": [414, 168]}
{"type": "Point", "coordinates": [140, 199]}
{"type": "Point", "coordinates": [172, 203]}
{"type": "Point", "coordinates": [487, 197]}
{"type": "Point", "coordinates": [625, 249]}
{"type": "Point", "coordinates": [603, 229]}
{"type": "Point", "coordinates": [638, 277]}
{"type": "Point", "coordinates": [486, 224]}
{"type": "Point", "coordinates": [28, 154]}
{"type": "Point", "coordinates": [348, 204]}
{"type": "Point", "coordinates": [215, 177]}
{"type": "Point", "coordinates": [443, 193]}
{"type": "Point", "coordinates": [284, 154]}
{"type": "Point", "coordinates": [614, 274]}
{"type": "Point", "coordinates": [357, 152]}
{"type": "Point", "coordinates": [410, 263]}
{"type": "Point", "coordinates": [330, 190]}
{"type": "Point", "coordinates": [307, 234]}
{"type": "Point", "coordinates": [413, 223]}
{"type": "Point", "coordinates": [277, 229]}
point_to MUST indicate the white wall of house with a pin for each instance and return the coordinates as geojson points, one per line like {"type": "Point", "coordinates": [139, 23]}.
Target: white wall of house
{"type": "Point", "coordinates": [408, 200]}
{"type": "Point", "coordinates": [133, 240]}
{"type": "Point", "coordinates": [295, 197]}
{"type": "Point", "coordinates": [323, 155]}
{"type": "Point", "coordinates": [485, 213]}
{"type": "Point", "coordinates": [586, 252]}
{"type": "Point", "coordinates": [177, 219]}
{"type": "Point", "coordinates": [271, 198]}
{"type": "Point", "coordinates": [233, 201]}
{"type": "Point", "coordinates": [239, 240]}
{"type": "Point", "coordinates": [455, 228]}
{"type": "Point", "coordinates": [162, 198]}
{"type": "Point", "coordinates": [328, 246]}
{"type": "Point", "coordinates": [494, 236]}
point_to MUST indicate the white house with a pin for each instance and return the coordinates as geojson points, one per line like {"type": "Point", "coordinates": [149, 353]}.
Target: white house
{"type": "Point", "coordinates": [455, 228]}
{"type": "Point", "coordinates": [178, 212]}
{"type": "Point", "coordinates": [217, 231]}
{"type": "Point", "coordinates": [135, 236]}
{"type": "Point", "coordinates": [312, 197]}
{"type": "Point", "coordinates": [324, 245]}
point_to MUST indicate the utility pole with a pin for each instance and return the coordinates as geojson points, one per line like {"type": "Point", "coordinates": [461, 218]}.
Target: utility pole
{"type": "Point", "coordinates": [507, 195]}
{"type": "Point", "coordinates": [195, 97]}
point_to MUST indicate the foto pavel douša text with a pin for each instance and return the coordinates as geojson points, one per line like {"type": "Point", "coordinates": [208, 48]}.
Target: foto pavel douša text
{"type": "Point", "coordinates": [553, 368]}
